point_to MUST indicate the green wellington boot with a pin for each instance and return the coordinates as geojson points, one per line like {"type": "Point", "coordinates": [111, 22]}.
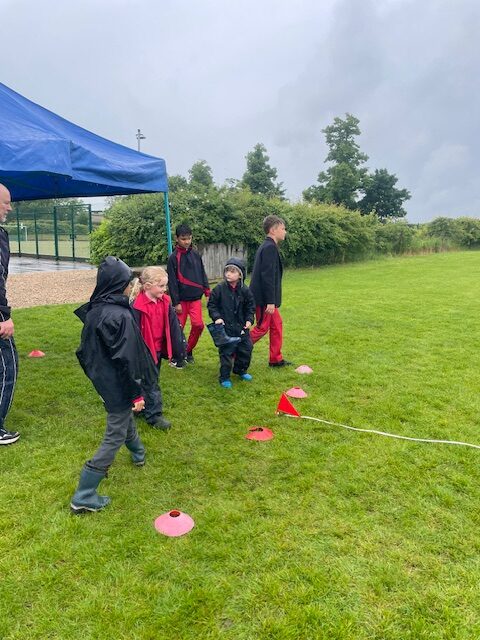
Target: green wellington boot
{"type": "Point", "coordinates": [137, 450]}
{"type": "Point", "coordinates": [86, 498]}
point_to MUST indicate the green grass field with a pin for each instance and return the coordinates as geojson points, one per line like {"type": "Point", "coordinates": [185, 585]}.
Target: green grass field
{"type": "Point", "coordinates": [320, 533]}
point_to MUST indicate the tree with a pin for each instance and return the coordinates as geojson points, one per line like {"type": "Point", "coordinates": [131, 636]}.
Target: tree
{"type": "Point", "coordinates": [201, 174]}
{"type": "Point", "coordinates": [260, 176]}
{"type": "Point", "coordinates": [382, 197]}
{"type": "Point", "coordinates": [341, 183]}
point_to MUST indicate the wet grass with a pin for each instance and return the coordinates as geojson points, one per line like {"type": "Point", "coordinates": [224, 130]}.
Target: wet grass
{"type": "Point", "coordinates": [319, 533]}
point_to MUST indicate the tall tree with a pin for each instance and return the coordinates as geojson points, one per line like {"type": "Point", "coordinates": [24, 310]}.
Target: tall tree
{"type": "Point", "coordinates": [201, 174]}
{"type": "Point", "coordinates": [260, 176]}
{"type": "Point", "coordinates": [382, 197]}
{"type": "Point", "coordinates": [341, 183]}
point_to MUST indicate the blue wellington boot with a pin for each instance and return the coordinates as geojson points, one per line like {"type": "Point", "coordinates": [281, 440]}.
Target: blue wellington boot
{"type": "Point", "coordinates": [86, 498]}
{"type": "Point", "coordinates": [137, 450]}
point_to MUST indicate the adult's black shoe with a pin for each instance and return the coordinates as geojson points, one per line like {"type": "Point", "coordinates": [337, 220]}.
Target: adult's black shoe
{"type": "Point", "coordinates": [281, 363]}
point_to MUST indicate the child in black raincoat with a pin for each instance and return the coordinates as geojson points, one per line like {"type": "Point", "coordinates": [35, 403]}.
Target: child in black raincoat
{"type": "Point", "coordinates": [114, 356]}
{"type": "Point", "coordinates": [231, 304]}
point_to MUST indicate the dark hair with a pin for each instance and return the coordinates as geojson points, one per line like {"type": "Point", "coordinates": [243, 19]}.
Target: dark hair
{"type": "Point", "coordinates": [272, 221]}
{"type": "Point", "coordinates": [183, 230]}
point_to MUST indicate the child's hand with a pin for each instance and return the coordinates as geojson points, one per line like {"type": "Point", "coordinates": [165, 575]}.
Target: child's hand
{"type": "Point", "coordinates": [270, 309]}
{"type": "Point", "coordinates": [219, 321]}
{"type": "Point", "coordinates": [248, 324]}
{"type": "Point", "coordinates": [139, 406]}
{"type": "Point", "coordinates": [178, 309]}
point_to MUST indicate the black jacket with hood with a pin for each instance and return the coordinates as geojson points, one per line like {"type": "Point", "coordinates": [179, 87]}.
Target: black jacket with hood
{"type": "Point", "coordinates": [234, 306]}
{"type": "Point", "coordinates": [112, 351]}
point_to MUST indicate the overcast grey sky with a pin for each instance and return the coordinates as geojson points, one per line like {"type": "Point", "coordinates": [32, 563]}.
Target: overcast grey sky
{"type": "Point", "coordinates": [208, 79]}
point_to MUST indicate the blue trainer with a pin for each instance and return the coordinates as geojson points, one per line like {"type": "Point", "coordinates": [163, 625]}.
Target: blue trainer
{"type": "Point", "coordinates": [245, 376]}
{"type": "Point", "coordinates": [226, 384]}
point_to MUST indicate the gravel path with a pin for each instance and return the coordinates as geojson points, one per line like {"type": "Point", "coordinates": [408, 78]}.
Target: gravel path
{"type": "Point", "coordinates": [52, 287]}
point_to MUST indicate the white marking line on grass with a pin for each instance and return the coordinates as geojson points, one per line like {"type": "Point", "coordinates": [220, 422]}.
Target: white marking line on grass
{"type": "Point", "coordinates": [390, 435]}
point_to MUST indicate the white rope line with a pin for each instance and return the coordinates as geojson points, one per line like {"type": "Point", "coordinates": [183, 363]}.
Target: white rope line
{"type": "Point", "coordinates": [390, 435]}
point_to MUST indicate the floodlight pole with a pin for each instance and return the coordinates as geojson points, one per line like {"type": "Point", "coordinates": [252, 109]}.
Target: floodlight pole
{"type": "Point", "coordinates": [139, 137]}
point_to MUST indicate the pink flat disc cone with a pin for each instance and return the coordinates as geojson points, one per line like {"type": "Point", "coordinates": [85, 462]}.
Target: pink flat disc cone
{"type": "Point", "coordinates": [304, 368]}
{"type": "Point", "coordinates": [174, 523]}
{"type": "Point", "coordinates": [36, 354]}
{"type": "Point", "coordinates": [259, 433]}
{"type": "Point", "coordinates": [296, 392]}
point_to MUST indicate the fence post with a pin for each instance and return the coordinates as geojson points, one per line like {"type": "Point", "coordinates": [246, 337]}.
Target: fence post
{"type": "Point", "coordinates": [90, 224]}
{"type": "Point", "coordinates": [36, 232]}
{"type": "Point", "coordinates": [72, 214]}
{"type": "Point", "coordinates": [18, 232]}
{"type": "Point", "coordinates": [55, 231]}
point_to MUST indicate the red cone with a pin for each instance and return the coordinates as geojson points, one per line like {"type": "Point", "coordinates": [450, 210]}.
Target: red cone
{"type": "Point", "coordinates": [174, 523]}
{"type": "Point", "coordinates": [259, 433]}
{"type": "Point", "coordinates": [285, 406]}
{"type": "Point", "coordinates": [36, 354]}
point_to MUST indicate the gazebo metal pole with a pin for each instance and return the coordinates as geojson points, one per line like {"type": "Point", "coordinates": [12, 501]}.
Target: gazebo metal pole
{"type": "Point", "coordinates": [167, 223]}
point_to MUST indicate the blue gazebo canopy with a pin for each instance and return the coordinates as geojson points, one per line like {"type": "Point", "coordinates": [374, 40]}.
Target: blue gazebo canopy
{"type": "Point", "coordinates": [45, 156]}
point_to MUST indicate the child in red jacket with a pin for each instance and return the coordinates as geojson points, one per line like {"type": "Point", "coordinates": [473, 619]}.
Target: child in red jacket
{"type": "Point", "coordinates": [161, 331]}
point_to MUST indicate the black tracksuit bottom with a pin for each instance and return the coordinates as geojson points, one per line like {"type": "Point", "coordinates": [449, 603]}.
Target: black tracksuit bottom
{"type": "Point", "coordinates": [238, 357]}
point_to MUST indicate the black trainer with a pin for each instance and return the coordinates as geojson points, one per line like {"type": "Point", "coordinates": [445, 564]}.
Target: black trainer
{"type": "Point", "coordinates": [8, 437]}
{"type": "Point", "coordinates": [161, 423]}
{"type": "Point", "coordinates": [190, 359]}
{"type": "Point", "coordinates": [177, 364]}
{"type": "Point", "coordinates": [281, 363]}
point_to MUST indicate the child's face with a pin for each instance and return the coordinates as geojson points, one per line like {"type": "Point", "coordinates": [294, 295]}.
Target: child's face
{"type": "Point", "coordinates": [184, 241]}
{"type": "Point", "coordinates": [155, 290]}
{"type": "Point", "coordinates": [232, 275]}
{"type": "Point", "coordinates": [278, 232]}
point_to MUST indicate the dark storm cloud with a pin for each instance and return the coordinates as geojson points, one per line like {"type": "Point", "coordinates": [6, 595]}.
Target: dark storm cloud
{"type": "Point", "coordinates": [210, 79]}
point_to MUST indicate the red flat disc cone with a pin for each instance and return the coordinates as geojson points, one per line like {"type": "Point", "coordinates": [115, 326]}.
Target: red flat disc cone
{"type": "Point", "coordinates": [296, 392]}
{"type": "Point", "coordinates": [259, 433]}
{"type": "Point", "coordinates": [304, 368]}
{"type": "Point", "coordinates": [36, 354]}
{"type": "Point", "coordinates": [285, 406]}
{"type": "Point", "coordinates": [174, 523]}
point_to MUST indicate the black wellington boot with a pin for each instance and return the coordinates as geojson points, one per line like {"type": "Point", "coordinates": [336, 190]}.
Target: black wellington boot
{"type": "Point", "coordinates": [219, 335]}
{"type": "Point", "coordinates": [86, 497]}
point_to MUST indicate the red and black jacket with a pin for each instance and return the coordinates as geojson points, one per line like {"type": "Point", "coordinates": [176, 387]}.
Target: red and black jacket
{"type": "Point", "coordinates": [187, 279]}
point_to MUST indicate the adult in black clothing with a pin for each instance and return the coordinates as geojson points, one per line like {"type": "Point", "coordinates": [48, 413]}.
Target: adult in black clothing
{"type": "Point", "coordinates": [8, 351]}
{"type": "Point", "coordinates": [266, 286]}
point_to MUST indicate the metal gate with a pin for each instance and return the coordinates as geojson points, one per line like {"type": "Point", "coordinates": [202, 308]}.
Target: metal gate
{"type": "Point", "coordinates": [62, 232]}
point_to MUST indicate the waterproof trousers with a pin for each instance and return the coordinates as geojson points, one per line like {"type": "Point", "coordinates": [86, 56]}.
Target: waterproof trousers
{"type": "Point", "coordinates": [237, 356]}
{"type": "Point", "coordinates": [120, 429]}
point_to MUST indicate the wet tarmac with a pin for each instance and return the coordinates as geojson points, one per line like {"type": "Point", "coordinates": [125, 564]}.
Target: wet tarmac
{"type": "Point", "coordinates": [30, 265]}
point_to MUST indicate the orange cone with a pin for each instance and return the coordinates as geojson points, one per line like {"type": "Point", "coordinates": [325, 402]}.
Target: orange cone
{"type": "Point", "coordinates": [36, 354]}
{"type": "Point", "coordinates": [285, 406]}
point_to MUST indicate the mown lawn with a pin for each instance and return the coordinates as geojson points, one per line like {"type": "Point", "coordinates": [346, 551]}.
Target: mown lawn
{"type": "Point", "coordinates": [319, 533]}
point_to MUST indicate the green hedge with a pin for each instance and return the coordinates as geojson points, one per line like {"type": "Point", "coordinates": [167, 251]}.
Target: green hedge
{"type": "Point", "coordinates": [134, 228]}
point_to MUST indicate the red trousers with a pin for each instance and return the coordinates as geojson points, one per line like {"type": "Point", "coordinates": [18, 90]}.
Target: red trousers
{"type": "Point", "coordinates": [270, 323]}
{"type": "Point", "coordinates": [192, 308]}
